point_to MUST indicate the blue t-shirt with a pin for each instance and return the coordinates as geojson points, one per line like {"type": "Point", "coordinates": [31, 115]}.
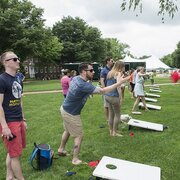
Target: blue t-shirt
{"type": "Point", "coordinates": [113, 93]}
{"type": "Point", "coordinates": [11, 88]}
{"type": "Point", "coordinates": [103, 74]}
{"type": "Point", "coordinates": [77, 95]}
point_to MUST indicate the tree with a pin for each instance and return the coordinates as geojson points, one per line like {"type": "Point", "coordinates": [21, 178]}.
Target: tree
{"type": "Point", "coordinates": [165, 6]}
{"type": "Point", "coordinates": [80, 41]}
{"type": "Point", "coordinates": [168, 60]}
{"type": "Point", "coordinates": [115, 49]}
{"type": "Point", "coordinates": [173, 59]}
{"type": "Point", "coordinates": [22, 30]}
{"type": "Point", "coordinates": [176, 56]}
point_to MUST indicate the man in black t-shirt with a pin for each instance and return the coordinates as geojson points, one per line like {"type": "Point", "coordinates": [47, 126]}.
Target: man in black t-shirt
{"type": "Point", "coordinates": [12, 122]}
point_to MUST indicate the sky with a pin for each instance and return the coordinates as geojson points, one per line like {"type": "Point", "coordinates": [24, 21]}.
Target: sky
{"type": "Point", "coordinates": [143, 32]}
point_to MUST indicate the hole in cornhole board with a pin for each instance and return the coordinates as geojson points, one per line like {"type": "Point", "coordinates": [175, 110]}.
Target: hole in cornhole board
{"type": "Point", "coordinates": [152, 95]}
{"type": "Point", "coordinates": [155, 90]}
{"type": "Point", "coordinates": [150, 106]}
{"type": "Point", "coordinates": [111, 166]}
{"type": "Point", "coordinates": [145, 125]}
{"type": "Point", "coordinates": [126, 170]}
{"type": "Point", "coordinates": [150, 99]}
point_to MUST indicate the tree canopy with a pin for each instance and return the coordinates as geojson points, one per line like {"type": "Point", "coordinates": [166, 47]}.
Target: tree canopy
{"type": "Point", "coordinates": [115, 49]}
{"type": "Point", "coordinates": [22, 30]}
{"type": "Point", "coordinates": [173, 59]}
{"type": "Point", "coordinates": [81, 42]}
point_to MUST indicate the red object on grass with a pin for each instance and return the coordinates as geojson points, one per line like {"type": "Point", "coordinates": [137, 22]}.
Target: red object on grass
{"type": "Point", "coordinates": [131, 134]}
{"type": "Point", "coordinates": [93, 163]}
{"type": "Point", "coordinates": [175, 76]}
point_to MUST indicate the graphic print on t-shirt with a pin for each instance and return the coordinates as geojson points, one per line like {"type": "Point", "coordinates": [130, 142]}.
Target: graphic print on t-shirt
{"type": "Point", "coordinates": [16, 89]}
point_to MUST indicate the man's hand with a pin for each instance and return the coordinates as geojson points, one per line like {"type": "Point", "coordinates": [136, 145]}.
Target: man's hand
{"type": "Point", "coordinates": [121, 78]}
{"type": "Point", "coordinates": [6, 132]}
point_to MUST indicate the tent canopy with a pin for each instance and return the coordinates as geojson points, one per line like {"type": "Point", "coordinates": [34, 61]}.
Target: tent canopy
{"type": "Point", "coordinates": [152, 63]}
{"type": "Point", "coordinates": [155, 63]}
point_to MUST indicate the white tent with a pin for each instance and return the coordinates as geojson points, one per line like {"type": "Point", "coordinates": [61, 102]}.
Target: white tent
{"type": "Point", "coordinates": [155, 63]}
{"type": "Point", "coordinates": [129, 59]}
{"type": "Point", "coordinates": [152, 62]}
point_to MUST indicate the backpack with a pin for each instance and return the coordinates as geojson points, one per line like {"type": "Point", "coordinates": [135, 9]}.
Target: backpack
{"type": "Point", "coordinates": [41, 157]}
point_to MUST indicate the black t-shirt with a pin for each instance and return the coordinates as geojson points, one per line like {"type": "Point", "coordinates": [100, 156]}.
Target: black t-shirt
{"type": "Point", "coordinates": [12, 89]}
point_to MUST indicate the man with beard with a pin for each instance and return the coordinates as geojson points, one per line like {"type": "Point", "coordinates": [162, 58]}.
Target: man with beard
{"type": "Point", "coordinates": [103, 81]}
{"type": "Point", "coordinates": [79, 91]}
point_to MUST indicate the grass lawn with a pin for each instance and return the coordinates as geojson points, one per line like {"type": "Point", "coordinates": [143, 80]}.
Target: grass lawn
{"type": "Point", "coordinates": [30, 86]}
{"type": "Point", "coordinates": [148, 147]}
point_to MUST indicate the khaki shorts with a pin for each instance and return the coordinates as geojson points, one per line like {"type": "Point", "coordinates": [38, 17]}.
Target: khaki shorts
{"type": "Point", "coordinates": [72, 124]}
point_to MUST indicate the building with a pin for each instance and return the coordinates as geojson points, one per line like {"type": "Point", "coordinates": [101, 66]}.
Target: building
{"type": "Point", "coordinates": [38, 70]}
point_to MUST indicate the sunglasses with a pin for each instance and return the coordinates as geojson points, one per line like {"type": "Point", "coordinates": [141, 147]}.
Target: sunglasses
{"type": "Point", "coordinates": [14, 59]}
{"type": "Point", "coordinates": [91, 70]}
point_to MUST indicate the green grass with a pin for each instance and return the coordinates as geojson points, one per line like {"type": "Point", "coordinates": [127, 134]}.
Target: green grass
{"type": "Point", "coordinates": [49, 85]}
{"type": "Point", "coordinates": [30, 86]}
{"type": "Point", "coordinates": [148, 147]}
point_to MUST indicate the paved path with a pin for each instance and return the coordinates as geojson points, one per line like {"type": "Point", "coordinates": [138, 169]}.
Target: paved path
{"type": "Point", "coordinates": [43, 92]}
{"type": "Point", "coordinates": [60, 91]}
{"type": "Point", "coordinates": [164, 84]}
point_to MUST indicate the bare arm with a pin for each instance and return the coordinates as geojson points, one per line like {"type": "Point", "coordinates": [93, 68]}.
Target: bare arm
{"type": "Point", "coordinates": [5, 129]}
{"type": "Point", "coordinates": [25, 124]}
{"type": "Point", "coordinates": [102, 82]}
{"type": "Point", "coordinates": [142, 74]}
{"type": "Point", "coordinates": [107, 89]}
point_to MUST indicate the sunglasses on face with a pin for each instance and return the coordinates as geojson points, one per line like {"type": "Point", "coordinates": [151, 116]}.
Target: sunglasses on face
{"type": "Point", "coordinates": [90, 70]}
{"type": "Point", "coordinates": [14, 59]}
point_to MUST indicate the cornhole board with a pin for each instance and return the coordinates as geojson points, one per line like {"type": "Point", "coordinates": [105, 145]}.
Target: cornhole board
{"type": "Point", "coordinates": [125, 170]}
{"type": "Point", "coordinates": [136, 112]}
{"type": "Point", "coordinates": [150, 99]}
{"type": "Point", "coordinates": [155, 90]}
{"type": "Point", "coordinates": [150, 106]}
{"type": "Point", "coordinates": [152, 95]}
{"type": "Point", "coordinates": [145, 125]}
{"type": "Point", "coordinates": [154, 85]}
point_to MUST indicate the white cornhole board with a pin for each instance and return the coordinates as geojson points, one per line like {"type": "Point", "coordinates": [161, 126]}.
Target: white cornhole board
{"type": "Point", "coordinates": [136, 112]}
{"type": "Point", "coordinates": [150, 106]}
{"type": "Point", "coordinates": [155, 90]}
{"type": "Point", "coordinates": [150, 99]}
{"type": "Point", "coordinates": [154, 85]}
{"type": "Point", "coordinates": [126, 170]}
{"type": "Point", "coordinates": [152, 95]}
{"type": "Point", "coordinates": [145, 125]}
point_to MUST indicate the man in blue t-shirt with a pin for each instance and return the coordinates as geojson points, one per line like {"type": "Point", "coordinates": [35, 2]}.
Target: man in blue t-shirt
{"type": "Point", "coordinates": [103, 75]}
{"type": "Point", "coordinates": [12, 124]}
{"type": "Point", "coordinates": [77, 95]}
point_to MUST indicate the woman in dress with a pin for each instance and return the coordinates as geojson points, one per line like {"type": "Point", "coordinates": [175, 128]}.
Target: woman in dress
{"type": "Point", "coordinates": [139, 88]}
